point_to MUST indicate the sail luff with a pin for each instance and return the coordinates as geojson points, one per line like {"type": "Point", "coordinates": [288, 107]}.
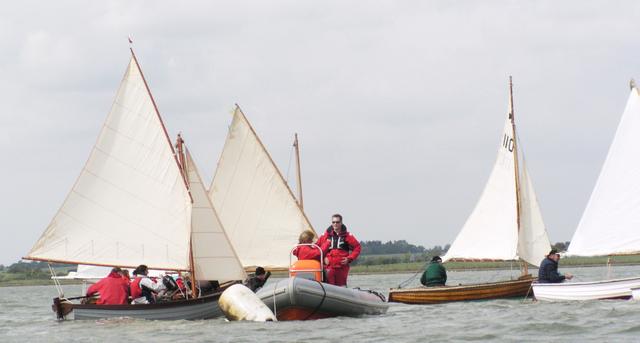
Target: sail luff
{"type": "Point", "coordinates": [256, 206]}
{"type": "Point", "coordinates": [266, 152]}
{"type": "Point", "coordinates": [611, 218]}
{"type": "Point", "coordinates": [516, 169]}
{"type": "Point", "coordinates": [155, 107]}
{"type": "Point", "coordinates": [213, 255]}
{"type": "Point", "coordinates": [128, 185]}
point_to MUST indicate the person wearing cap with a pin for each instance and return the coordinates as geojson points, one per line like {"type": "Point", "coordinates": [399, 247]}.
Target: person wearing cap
{"type": "Point", "coordinates": [435, 274]}
{"type": "Point", "coordinates": [113, 289]}
{"type": "Point", "coordinates": [257, 280]}
{"type": "Point", "coordinates": [548, 272]}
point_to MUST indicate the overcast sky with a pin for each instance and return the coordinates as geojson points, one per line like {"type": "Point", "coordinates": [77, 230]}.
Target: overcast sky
{"type": "Point", "coordinates": [399, 105]}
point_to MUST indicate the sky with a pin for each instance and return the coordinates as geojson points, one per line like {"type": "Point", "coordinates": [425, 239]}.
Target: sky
{"type": "Point", "coordinates": [399, 105]}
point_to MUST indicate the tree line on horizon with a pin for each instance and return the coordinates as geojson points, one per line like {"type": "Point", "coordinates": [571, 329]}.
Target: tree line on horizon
{"type": "Point", "coordinates": [373, 252]}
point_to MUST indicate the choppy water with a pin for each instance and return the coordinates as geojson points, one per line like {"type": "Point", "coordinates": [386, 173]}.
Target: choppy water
{"type": "Point", "coordinates": [26, 316]}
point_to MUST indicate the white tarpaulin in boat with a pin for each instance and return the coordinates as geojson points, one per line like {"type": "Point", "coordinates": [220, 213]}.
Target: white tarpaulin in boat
{"type": "Point", "coordinates": [129, 206]}
{"type": "Point", "coordinates": [254, 203]}
{"type": "Point", "coordinates": [213, 256]}
{"type": "Point", "coordinates": [611, 220]}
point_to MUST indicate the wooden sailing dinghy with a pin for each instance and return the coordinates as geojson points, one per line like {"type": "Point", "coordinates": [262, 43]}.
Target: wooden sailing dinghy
{"type": "Point", "coordinates": [610, 222]}
{"type": "Point", "coordinates": [135, 203]}
{"type": "Point", "coordinates": [506, 224]}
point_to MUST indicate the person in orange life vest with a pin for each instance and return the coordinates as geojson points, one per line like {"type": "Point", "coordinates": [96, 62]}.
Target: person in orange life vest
{"type": "Point", "coordinates": [143, 289]}
{"type": "Point", "coordinates": [307, 252]}
{"type": "Point", "coordinates": [344, 248]}
{"type": "Point", "coordinates": [113, 289]}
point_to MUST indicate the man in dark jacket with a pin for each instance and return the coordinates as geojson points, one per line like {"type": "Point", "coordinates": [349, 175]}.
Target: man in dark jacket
{"type": "Point", "coordinates": [257, 280]}
{"type": "Point", "coordinates": [548, 272]}
{"type": "Point", "coordinates": [435, 275]}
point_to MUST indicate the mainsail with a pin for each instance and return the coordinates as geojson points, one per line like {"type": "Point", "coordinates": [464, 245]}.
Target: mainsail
{"type": "Point", "coordinates": [213, 256]}
{"type": "Point", "coordinates": [130, 204]}
{"type": "Point", "coordinates": [255, 205]}
{"type": "Point", "coordinates": [611, 220]}
{"type": "Point", "coordinates": [506, 223]}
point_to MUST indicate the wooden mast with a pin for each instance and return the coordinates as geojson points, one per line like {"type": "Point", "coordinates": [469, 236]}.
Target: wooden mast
{"type": "Point", "coordinates": [182, 160]}
{"type": "Point", "coordinates": [524, 265]}
{"type": "Point", "coordinates": [296, 145]}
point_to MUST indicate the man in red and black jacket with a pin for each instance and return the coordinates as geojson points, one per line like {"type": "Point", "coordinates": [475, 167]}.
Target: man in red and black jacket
{"type": "Point", "coordinates": [344, 248]}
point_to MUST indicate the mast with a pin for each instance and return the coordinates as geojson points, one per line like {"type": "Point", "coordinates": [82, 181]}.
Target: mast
{"type": "Point", "coordinates": [525, 266]}
{"type": "Point", "coordinates": [296, 145]}
{"type": "Point", "coordinates": [183, 167]}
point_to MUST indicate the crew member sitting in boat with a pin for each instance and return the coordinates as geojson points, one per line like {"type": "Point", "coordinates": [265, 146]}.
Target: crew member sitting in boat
{"type": "Point", "coordinates": [143, 289]}
{"type": "Point", "coordinates": [435, 274]}
{"type": "Point", "coordinates": [344, 248]}
{"type": "Point", "coordinates": [307, 252]}
{"type": "Point", "coordinates": [257, 280]}
{"type": "Point", "coordinates": [113, 289]}
{"type": "Point", "coordinates": [548, 272]}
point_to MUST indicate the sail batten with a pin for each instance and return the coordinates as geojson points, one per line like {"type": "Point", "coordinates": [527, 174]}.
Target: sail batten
{"type": "Point", "coordinates": [611, 219]}
{"type": "Point", "coordinates": [256, 207]}
{"type": "Point", "coordinates": [129, 193]}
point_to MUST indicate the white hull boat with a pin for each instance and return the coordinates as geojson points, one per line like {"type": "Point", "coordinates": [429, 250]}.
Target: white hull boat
{"type": "Point", "coordinates": [592, 290]}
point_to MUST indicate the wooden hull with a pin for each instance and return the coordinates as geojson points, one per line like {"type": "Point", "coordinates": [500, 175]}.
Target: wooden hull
{"type": "Point", "coordinates": [201, 308]}
{"type": "Point", "coordinates": [301, 299]}
{"type": "Point", "coordinates": [443, 294]}
{"type": "Point", "coordinates": [580, 291]}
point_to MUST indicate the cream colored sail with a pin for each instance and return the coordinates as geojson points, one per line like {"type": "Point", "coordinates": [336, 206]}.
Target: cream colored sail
{"type": "Point", "coordinates": [129, 205]}
{"type": "Point", "coordinates": [610, 223]}
{"type": "Point", "coordinates": [213, 256]}
{"type": "Point", "coordinates": [491, 231]}
{"type": "Point", "coordinates": [533, 241]}
{"type": "Point", "coordinates": [255, 205]}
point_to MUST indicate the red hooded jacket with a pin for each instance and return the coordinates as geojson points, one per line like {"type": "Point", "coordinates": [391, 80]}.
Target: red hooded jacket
{"type": "Point", "coordinates": [341, 245]}
{"type": "Point", "coordinates": [306, 252]}
{"type": "Point", "coordinates": [113, 289]}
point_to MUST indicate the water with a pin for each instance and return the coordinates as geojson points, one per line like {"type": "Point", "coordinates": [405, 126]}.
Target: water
{"type": "Point", "coordinates": [25, 315]}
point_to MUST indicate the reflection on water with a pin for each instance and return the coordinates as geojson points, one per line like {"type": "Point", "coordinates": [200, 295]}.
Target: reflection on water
{"type": "Point", "coordinates": [25, 315]}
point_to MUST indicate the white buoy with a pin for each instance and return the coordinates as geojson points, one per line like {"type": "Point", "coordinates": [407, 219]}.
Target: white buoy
{"type": "Point", "coordinates": [239, 303]}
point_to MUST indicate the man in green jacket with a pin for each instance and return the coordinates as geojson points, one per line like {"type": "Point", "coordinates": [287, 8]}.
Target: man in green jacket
{"type": "Point", "coordinates": [435, 275]}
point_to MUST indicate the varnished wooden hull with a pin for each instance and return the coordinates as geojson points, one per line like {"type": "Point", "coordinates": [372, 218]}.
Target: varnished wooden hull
{"type": "Point", "coordinates": [443, 294]}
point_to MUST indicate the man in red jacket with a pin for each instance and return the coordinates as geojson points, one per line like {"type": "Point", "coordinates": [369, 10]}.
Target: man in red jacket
{"type": "Point", "coordinates": [344, 248]}
{"type": "Point", "coordinates": [113, 289]}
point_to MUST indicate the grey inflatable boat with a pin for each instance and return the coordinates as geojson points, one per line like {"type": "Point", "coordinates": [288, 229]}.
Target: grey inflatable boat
{"type": "Point", "coordinates": [298, 298]}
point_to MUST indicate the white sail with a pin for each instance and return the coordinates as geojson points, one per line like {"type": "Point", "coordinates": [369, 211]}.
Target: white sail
{"type": "Point", "coordinates": [611, 220]}
{"type": "Point", "coordinates": [129, 205]}
{"type": "Point", "coordinates": [255, 205]}
{"type": "Point", "coordinates": [533, 241]}
{"type": "Point", "coordinates": [491, 231]}
{"type": "Point", "coordinates": [213, 256]}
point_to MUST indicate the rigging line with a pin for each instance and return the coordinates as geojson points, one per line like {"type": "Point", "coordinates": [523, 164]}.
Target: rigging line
{"type": "Point", "coordinates": [56, 282]}
{"type": "Point", "coordinates": [406, 282]}
{"type": "Point", "coordinates": [289, 166]}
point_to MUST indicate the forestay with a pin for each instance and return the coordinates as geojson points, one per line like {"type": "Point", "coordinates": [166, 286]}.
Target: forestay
{"type": "Point", "coordinates": [610, 222]}
{"type": "Point", "coordinates": [130, 204]}
{"type": "Point", "coordinates": [255, 205]}
{"type": "Point", "coordinates": [213, 256]}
